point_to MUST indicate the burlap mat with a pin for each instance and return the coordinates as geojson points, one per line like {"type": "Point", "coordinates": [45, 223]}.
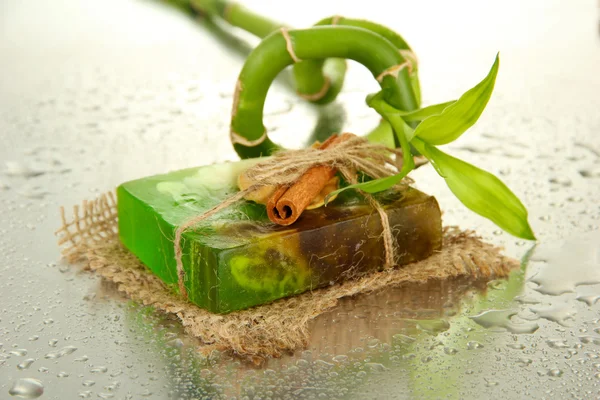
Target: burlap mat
{"type": "Point", "coordinates": [90, 237]}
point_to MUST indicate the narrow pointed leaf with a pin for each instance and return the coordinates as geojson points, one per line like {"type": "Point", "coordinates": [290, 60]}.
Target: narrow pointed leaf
{"type": "Point", "coordinates": [425, 112]}
{"type": "Point", "coordinates": [410, 116]}
{"type": "Point", "coordinates": [480, 191]}
{"type": "Point", "coordinates": [455, 119]}
{"type": "Point", "coordinates": [374, 186]}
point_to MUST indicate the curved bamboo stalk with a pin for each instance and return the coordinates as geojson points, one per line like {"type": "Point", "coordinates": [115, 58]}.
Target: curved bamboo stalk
{"type": "Point", "coordinates": [313, 76]}
{"type": "Point", "coordinates": [318, 81]}
{"type": "Point", "coordinates": [285, 48]}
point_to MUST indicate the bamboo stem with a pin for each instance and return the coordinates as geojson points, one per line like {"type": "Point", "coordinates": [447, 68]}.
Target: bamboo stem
{"type": "Point", "coordinates": [312, 83]}
{"type": "Point", "coordinates": [402, 130]}
{"type": "Point", "coordinates": [237, 15]}
{"type": "Point", "coordinates": [396, 39]}
{"type": "Point", "coordinates": [318, 81]}
{"type": "Point", "coordinates": [280, 49]}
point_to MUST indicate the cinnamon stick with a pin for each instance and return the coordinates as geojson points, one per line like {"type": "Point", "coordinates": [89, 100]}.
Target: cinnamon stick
{"type": "Point", "coordinates": [287, 203]}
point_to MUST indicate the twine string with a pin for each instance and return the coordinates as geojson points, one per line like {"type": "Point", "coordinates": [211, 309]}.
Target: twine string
{"type": "Point", "coordinates": [286, 167]}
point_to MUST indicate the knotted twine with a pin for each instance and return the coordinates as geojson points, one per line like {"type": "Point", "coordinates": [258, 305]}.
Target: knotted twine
{"type": "Point", "coordinates": [285, 167]}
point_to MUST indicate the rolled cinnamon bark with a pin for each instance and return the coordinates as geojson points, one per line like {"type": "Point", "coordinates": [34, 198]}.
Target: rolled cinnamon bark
{"type": "Point", "coordinates": [287, 203]}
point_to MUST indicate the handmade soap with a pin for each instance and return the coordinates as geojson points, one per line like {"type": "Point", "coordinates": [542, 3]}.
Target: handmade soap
{"type": "Point", "coordinates": [238, 258]}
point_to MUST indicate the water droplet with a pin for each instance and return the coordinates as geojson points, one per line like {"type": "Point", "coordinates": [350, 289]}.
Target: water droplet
{"type": "Point", "coordinates": [85, 394]}
{"type": "Point", "coordinates": [590, 173]}
{"type": "Point", "coordinates": [472, 345]}
{"type": "Point", "coordinates": [88, 383]}
{"type": "Point", "coordinates": [376, 367]}
{"type": "Point", "coordinates": [502, 319]}
{"type": "Point", "coordinates": [565, 182]}
{"type": "Point", "coordinates": [99, 370]}
{"type": "Point", "coordinates": [587, 339]}
{"type": "Point", "coordinates": [26, 364]}
{"type": "Point", "coordinates": [524, 299]}
{"type": "Point", "coordinates": [61, 353]}
{"type": "Point", "coordinates": [433, 326]}
{"type": "Point", "coordinates": [404, 339]}
{"type": "Point", "coordinates": [320, 363]}
{"type": "Point", "coordinates": [557, 343]}
{"type": "Point", "coordinates": [490, 383]}
{"type": "Point", "coordinates": [559, 313]}
{"type": "Point", "coordinates": [27, 388]}
{"type": "Point", "coordinates": [524, 361]}
{"type": "Point", "coordinates": [361, 374]}
{"type": "Point", "coordinates": [116, 384]}
{"type": "Point", "coordinates": [302, 363]}
{"type": "Point", "coordinates": [52, 342]}
{"type": "Point", "coordinates": [576, 262]}
{"type": "Point", "coordinates": [555, 372]}
{"type": "Point", "coordinates": [588, 294]}
{"type": "Point", "coordinates": [450, 351]}
{"type": "Point", "coordinates": [18, 352]}
{"type": "Point", "coordinates": [340, 358]}
{"type": "Point", "coordinates": [19, 170]}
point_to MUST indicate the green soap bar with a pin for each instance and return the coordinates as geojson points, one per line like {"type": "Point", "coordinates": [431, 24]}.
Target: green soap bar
{"type": "Point", "coordinates": [238, 258]}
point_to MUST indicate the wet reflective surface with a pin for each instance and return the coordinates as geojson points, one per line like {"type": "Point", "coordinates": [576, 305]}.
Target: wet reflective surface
{"type": "Point", "coordinates": [95, 94]}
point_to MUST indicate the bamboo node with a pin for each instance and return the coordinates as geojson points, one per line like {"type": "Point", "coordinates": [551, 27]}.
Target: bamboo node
{"type": "Point", "coordinates": [411, 57]}
{"type": "Point", "coordinates": [336, 19]}
{"type": "Point", "coordinates": [317, 95]}
{"type": "Point", "coordinates": [393, 71]}
{"type": "Point", "coordinates": [288, 45]}
{"type": "Point", "coordinates": [237, 138]}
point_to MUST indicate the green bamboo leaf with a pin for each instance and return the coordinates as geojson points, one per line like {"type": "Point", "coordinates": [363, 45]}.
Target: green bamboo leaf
{"type": "Point", "coordinates": [480, 191]}
{"type": "Point", "coordinates": [409, 116]}
{"type": "Point", "coordinates": [456, 118]}
{"type": "Point", "coordinates": [374, 186]}
{"type": "Point", "coordinates": [425, 112]}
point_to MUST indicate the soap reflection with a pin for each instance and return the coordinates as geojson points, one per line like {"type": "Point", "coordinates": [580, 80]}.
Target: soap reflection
{"type": "Point", "coordinates": [389, 330]}
{"type": "Point", "coordinates": [378, 317]}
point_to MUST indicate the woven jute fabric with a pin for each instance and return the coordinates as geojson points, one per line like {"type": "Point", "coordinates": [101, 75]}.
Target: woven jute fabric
{"type": "Point", "coordinates": [90, 237]}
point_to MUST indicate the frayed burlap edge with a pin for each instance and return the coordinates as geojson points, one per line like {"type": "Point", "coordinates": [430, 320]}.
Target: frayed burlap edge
{"type": "Point", "coordinates": [91, 237]}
